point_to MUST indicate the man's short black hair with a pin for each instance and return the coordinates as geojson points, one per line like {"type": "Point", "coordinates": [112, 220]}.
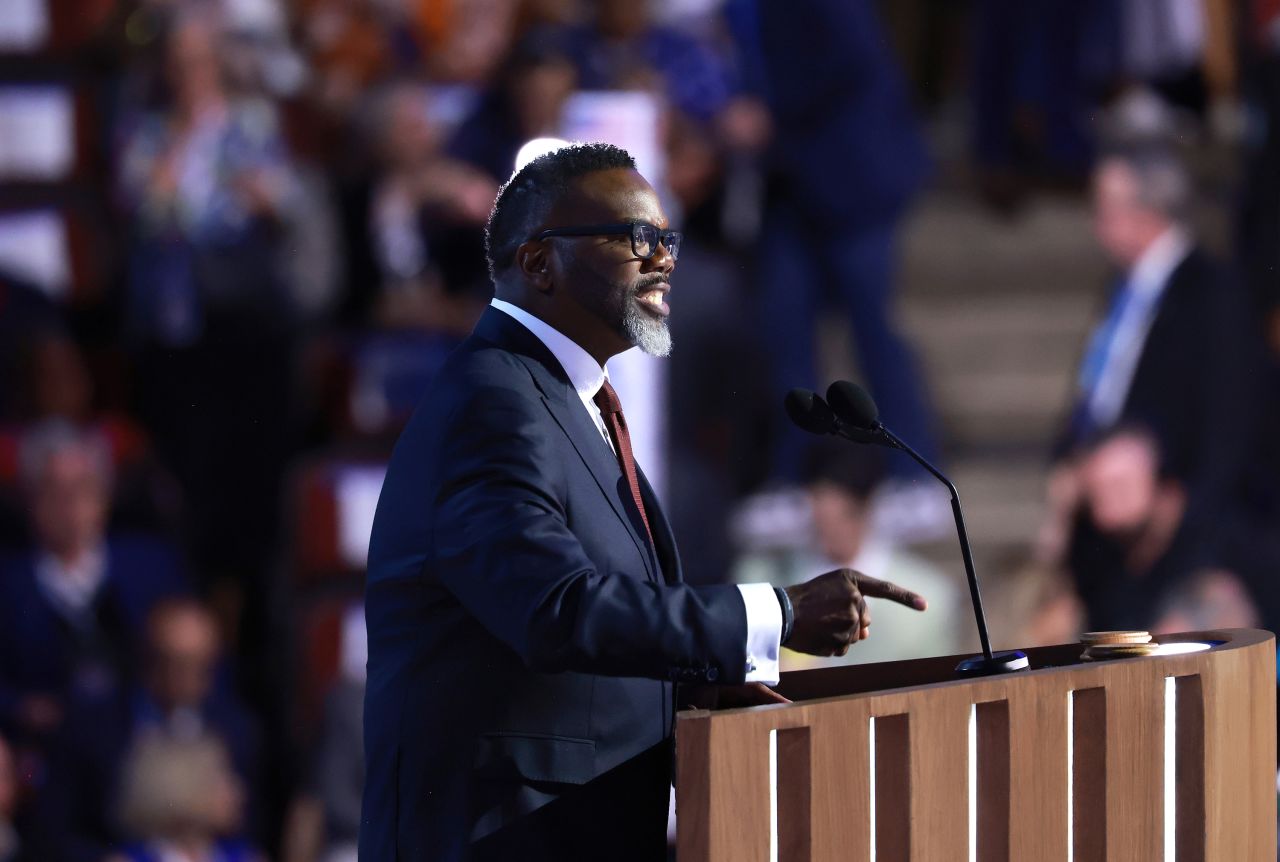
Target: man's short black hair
{"type": "Point", "coordinates": [524, 200]}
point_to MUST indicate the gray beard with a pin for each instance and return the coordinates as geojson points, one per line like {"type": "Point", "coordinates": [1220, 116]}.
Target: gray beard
{"type": "Point", "coordinates": [644, 330]}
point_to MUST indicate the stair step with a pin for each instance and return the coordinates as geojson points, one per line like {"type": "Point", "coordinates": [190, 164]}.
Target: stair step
{"type": "Point", "coordinates": [952, 245]}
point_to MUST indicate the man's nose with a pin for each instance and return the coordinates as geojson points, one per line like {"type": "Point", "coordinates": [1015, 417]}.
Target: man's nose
{"type": "Point", "coordinates": [661, 260]}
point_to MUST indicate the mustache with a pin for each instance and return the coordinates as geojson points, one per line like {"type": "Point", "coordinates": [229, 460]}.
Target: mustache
{"type": "Point", "coordinates": [651, 282]}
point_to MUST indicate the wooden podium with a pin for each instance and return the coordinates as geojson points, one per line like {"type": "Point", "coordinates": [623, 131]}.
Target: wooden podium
{"type": "Point", "coordinates": [1069, 757]}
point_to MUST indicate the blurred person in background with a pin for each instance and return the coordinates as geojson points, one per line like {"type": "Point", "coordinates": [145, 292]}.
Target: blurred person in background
{"type": "Point", "coordinates": [420, 221]}
{"type": "Point", "coordinates": [351, 45]}
{"type": "Point", "coordinates": [840, 480]}
{"type": "Point", "coordinates": [178, 696]}
{"type": "Point", "coordinates": [622, 46]}
{"type": "Point", "coordinates": [1139, 368]}
{"type": "Point", "coordinates": [73, 604]}
{"type": "Point", "coordinates": [1132, 539]}
{"type": "Point", "coordinates": [525, 101]}
{"type": "Point", "coordinates": [204, 179]}
{"type": "Point", "coordinates": [207, 183]}
{"type": "Point", "coordinates": [53, 382]}
{"type": "Point", "coordinates": [1031, 603]}
{"type": "Point", "coordinates": [462, 43]}
{"type": "Point", "coordinates": [1209, 600]}
{"type": "Point", "coordinates": [847, 159]}
{"type": "Point", "coordinates": [1037, 74]}
{"type": "Point", "coordinates": [180, 801]}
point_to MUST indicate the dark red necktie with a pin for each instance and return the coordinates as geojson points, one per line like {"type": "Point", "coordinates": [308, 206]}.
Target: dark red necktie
{"type": "Point", "coordinates": [611, 409]}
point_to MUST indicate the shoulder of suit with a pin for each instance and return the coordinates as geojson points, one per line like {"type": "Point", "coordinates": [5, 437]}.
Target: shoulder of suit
{"type": "Point", "coordinates": [1200, 270]}
{"type": "Point", "coordinates": [480, 363]}
{"type": "Point", "coordinates": [485, 376]}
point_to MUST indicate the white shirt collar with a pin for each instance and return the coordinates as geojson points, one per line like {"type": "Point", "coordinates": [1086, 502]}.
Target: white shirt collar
{"type": "Point", "coordinates": [586, 375]}
{"type": "Point", "coordinates": [1151, 272]}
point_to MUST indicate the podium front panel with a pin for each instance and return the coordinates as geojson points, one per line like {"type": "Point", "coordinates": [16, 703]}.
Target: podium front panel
{"type": "Point", "coordinates": [1067, 760]}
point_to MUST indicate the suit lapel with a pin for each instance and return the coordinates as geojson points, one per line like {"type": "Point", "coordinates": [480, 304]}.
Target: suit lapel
{"type": "Point", "coordinates": [564, 406]}
{"type": "Point", "coordinates": [603, 465]}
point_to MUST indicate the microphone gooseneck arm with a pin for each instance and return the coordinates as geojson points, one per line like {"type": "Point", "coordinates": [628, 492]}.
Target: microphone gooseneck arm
{"type": "Point", "coordinates": [853, 416]}
{"type": "Point", "coordinates": [974, 594]}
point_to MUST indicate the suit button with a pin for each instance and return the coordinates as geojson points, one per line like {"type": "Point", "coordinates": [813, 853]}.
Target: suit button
{"type": "Point", "coordinates": [712, 674]}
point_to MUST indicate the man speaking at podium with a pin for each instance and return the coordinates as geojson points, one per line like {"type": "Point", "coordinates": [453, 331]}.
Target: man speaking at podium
{"type": "Point", "coordinates": [529, 629]}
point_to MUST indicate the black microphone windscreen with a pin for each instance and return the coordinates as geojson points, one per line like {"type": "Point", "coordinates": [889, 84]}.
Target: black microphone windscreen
{"type": "Point", "coordinates": [853, 404]}
{"type": "Point", "coordinates": [809, 411]}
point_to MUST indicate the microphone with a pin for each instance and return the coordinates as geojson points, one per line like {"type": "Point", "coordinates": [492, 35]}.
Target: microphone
{"type": "Point", "coordinates": [855, 417]}
{"type": "Point", "coordinates": [810, 412]}
{"type": "Point", "coordinates": [854, 405]}
{"type": "Point", "coordinates": [807, 410]}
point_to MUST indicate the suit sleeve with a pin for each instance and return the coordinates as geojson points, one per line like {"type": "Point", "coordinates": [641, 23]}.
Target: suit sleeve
{"type": "Point", "coordinates": [503, 547]}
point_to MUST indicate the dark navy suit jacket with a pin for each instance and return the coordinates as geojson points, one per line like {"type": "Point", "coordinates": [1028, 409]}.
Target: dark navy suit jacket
{"type": "Point", "coordinates": [524, 636]}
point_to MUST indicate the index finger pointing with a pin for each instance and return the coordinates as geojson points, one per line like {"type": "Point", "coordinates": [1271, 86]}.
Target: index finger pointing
{"type": "Point", "coordinates": [884, 590]}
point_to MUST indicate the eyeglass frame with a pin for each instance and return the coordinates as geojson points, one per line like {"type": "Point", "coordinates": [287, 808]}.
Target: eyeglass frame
{"type": "Point", "coordinates": [618, 229]}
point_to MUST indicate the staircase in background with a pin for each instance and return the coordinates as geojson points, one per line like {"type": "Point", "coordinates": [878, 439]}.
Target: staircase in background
{"type": "Point", "coordinates": [998, 309]}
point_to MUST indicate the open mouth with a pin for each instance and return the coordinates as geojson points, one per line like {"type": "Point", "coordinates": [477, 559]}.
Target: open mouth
{"type": "Point", "coordinates": [653, 299]}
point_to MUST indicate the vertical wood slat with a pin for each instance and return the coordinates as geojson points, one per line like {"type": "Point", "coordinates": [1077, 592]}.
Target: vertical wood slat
{"type": "Point", "coordinates": [1240, 743]}
{"type": "Point", "coordinates": [940, 778]}
{"type": "Point", "coordinates": [729, 826]}
{"type": "Point", "coordinates": [894, 819]}
{"type": "Point", "coordinates": [993, 766]}
{"type": "Point", "coordinates": [1089, 775]}
{"type": "Point", "coordinates": [742, 828]}
{"type": "Point", "coordinates": [1189, 769]}
{"type": "Point", "coordinates": [840, 800]}
{"type": "Point", "coordinates": [1038, 768]}
{"type": "Point", "coordinates": [693, 787]}
{"type": "Point", "coordinates": [794, 795]}
{"type": "Point", "coordinates": [1135, 763]}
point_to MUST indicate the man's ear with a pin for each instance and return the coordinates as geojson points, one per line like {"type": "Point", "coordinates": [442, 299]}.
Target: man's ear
{"type": "Point", "coordinates": [533, 259]}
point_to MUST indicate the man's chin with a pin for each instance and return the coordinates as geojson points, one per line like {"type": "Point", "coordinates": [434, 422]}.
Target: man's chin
{"type": "Point", "coordinates": [647, 332]}
{"type": "Point", "coordinates": [655, 341]}
{"type": "Point", "coordinates": [660, 350]}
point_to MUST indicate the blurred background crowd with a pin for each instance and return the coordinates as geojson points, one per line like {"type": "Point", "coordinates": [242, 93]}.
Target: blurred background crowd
{"type": "Point", "coordinates": [238, 237]}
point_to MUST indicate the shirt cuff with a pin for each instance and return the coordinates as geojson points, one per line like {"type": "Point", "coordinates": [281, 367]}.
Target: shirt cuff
{"type": "Point", "coordinates": [764, 632]}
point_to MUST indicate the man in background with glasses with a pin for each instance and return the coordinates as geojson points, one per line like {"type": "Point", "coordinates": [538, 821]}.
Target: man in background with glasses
{"type": "Point", "coordinates": [528, 620]}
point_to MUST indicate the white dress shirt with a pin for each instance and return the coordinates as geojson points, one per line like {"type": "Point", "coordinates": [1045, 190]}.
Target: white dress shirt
{"type": "Point", "coordinates": [764, 616]}
{"type": "Point", "coordinates": [1147, 279]}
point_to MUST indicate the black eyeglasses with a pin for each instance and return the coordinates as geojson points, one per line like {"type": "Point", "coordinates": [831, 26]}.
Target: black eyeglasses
{"type": "Point", "coordinates": [645, 237]}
